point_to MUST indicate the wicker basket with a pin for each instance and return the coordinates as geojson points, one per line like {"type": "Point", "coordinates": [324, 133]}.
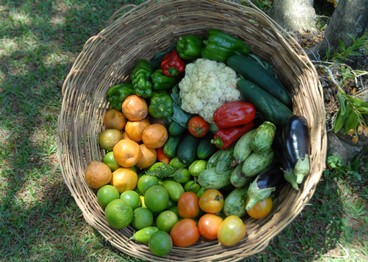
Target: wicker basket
{"type": "Point", "coordinates": [107, 59]}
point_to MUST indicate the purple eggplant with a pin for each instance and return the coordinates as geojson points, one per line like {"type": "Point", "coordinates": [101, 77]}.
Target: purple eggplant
{"type": "Point", "coordinates": [264, 184]}
{"type": "Point", "coordinates": [297, 146]}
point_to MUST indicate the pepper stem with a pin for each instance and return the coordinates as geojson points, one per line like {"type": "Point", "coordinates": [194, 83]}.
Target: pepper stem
{"type": "Point", "coordinates": [217, 142]}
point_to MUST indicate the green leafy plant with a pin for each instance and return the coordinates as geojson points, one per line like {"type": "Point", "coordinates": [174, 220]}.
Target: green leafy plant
{"type": "Point", "coordinates": [344, 53]}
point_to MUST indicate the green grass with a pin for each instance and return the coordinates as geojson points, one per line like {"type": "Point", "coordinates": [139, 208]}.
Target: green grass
{"type": "Point", "coordinates": [39, 40]}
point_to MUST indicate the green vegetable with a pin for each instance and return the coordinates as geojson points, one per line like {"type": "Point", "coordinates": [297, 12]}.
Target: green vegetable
{"type": "Point", "coordinates": [143, 235]}
{"type": "Point", "coordinates": [187, 150]}
{"type": "Point", "coordinates": [210, 178]}
{"type": "Point", "coordinates": [189, 47]}
{"type": "Point", "coordinates": [161, 105]}
{"type": "Point", "coordinates": [192, 186]}
{"type": "Point", "coordinates": [161, 81]}
{"type": "Point", "coordinates": [205, 148]}
{"type": "Point", "coordinates": [234, 203]}
{"type": "Point", "coordinates": [117, 94]}
{"type": "Point", "coordinates": [197, 167]}
{"type": "Point", "coordinates": [254, 72]}
{"type": "Point", "coordinates": [219, 46]}
{"type": "Point", "coordinates": [242, 147]}
{"type": "Point", "coordinates": [238, 178]}
{"type": "Point", "coordinates": [176, 163]}
{"type": "Point", "coordinates": [175, 129]}
{"type": "Point", "coordinates": [175, 189]}
{"type": "Point", "coordinates": [141, 78]}
{"type": "Point", "coordinates": [257, 162]}
{"type": "Point", "coordinates": [263, 137]}
{"type": "Point", "coordinates": [225, 159]}
{"type": "Point", "coordinates": [172, 144]}
{"type": "Point", "coordinates": [266, 104]}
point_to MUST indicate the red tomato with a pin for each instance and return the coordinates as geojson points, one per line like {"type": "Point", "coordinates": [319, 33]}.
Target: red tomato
{"type": "Point", "coordinates": [184, 233]}
{"type": "Point", "coordinates": [188, 206]}
{"type": "Point", "coordinates": [261, 209]}
{"type": "Point", "coordinates": [161, 156]}
{"type": "Point", "coordinates": [198, 127]}
{"type": "Point", "coordinates": [208, 225]}
{"type": "Point", "coordinates": [211, 201]}
{"type": "Point", "coordinates": [232, 230]}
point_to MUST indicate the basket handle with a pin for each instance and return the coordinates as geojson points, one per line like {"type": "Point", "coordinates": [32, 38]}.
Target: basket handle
{"type": "Point", "coordinates": [121, 11]}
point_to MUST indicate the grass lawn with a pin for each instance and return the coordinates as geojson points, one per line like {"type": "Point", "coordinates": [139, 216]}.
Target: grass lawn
{"type": "Point", "coordinates": [39, 220]}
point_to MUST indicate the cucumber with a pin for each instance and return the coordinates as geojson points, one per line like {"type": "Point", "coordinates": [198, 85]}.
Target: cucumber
{"type": "Point", "coordinates": [257, 162]}
{"type": "Point", "coordinates": [234, 203]}
{"type": "Point", "coordinates": [172, 144]}
{"type": "Point", "coordinates": [210, 178]}
{"type": "Point", "coordinates": [225, 159]}
{"type": "Point", "coordinates": [238, 179]}
{"type": "Point", "coordinates": [175, 129]}
{"type": "Point", "coordinates": [266, 104]}
{"type": "Point", "coordinates": [205, 148]}
{"type": "Point", "coordinates": [252, 70]}
{"type": "Point", "coordinates": [263, 137]}
{"type": "Point", "coordinates": [187, 151]}
{"type": "Point", "coordinates": [242, 147]}
{"type": "Point", "coordinates": [212, 161]}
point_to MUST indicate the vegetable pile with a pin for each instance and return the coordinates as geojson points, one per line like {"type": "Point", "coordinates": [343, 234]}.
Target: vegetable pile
{"type": "Point", "coordinates": [199, 138]}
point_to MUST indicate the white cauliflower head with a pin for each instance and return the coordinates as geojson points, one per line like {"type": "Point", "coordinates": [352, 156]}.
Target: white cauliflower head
{"type": "Point", "coordinates": [206, 86]}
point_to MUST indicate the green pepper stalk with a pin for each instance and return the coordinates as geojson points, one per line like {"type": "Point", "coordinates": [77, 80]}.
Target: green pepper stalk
{"type": "Point", "coordinates": [117, 94]}
{"type": "Point", "coordinates": [189, 47]}
{"type": "Point", "coordinates": [161, 105]}
{"type": "Point", "coordinates": [220, 45]}
{"type": "Point", "coordinates": [161, 81]}
{"type": "Point", "coordinates": [141, 78]}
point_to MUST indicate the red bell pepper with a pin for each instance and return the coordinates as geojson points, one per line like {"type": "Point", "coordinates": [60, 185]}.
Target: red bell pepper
{"type": "Point", "coordinates": [172, 64]}
{"type": "Point", "coordinates": [234, 113]}
{"type": "Point", "coordinates": [224, 138]}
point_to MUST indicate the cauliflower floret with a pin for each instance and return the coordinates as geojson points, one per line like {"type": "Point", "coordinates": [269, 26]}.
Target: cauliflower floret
{"type": "Point", "coordinates": [206, 86]}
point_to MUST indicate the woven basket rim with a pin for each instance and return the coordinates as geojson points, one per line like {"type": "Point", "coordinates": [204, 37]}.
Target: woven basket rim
{"type": "Point", "coordinates": [106, 59]}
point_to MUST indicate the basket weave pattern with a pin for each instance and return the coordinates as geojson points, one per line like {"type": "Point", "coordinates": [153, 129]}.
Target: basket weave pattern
{"type": "Point", "coordinates": [107, 59]}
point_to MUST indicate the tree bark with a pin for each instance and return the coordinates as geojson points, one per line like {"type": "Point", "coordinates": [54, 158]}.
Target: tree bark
{"type": "Point", "coordinates": [349, 18]}
{"type": "Point", "coordinates": [294, 15]}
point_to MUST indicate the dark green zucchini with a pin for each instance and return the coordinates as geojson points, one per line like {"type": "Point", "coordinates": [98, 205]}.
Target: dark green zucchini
{"type": "Point", "coordinates": [205, 148]}
{"type": "Point", "coordinates": [175, 129]}
{"type": "Point", "coordinates": [252, 70]}
{"type": "Point", "coordinates": [187, 151]}
{"type": "Point", "coordinates": [172, 144]}
{"type": "Point", "coordinates": [266, 104]}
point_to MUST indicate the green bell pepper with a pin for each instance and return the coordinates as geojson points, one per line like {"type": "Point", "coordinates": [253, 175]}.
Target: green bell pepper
{"type": "Point", "coordinates": [117, 94]}
{"type": "Point", "coordinates": [189, 47]}
{"type": "Point", "coordinates": [220, 45]}
{"type": "Point", "coordinates": [161, 81]}
{"type": "Point", "coordinates": [141, 78]}
{"type": "Point", "coordinates": [161, 105]}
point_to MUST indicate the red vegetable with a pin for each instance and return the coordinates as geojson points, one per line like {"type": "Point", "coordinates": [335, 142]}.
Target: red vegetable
{"type": "Point", "coordinates": [234, 113]}
{"type": "Point", "coordinates": [172, 64]}
{"type": "Point", "coordinates": [227, 136]}
{"type": "Point", "coordinates": [198, 127]}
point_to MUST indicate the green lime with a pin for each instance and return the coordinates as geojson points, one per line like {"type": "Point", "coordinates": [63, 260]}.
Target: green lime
{"type": "Point", "coordinates": [156, 198]}
{"type": "Point", "coordinates": [166, 220]}
{"type": "Point", "coordinates": [109, 160]}
{"type": "Point", "coordinates": [182, 175]}
{"type": "Point", "coordinates": [132, 198]}
{"type": "Point", "coordinates": [197, 167]}
{"type": "Point", "coordinates": [109, 137]}
{"type": "Point", "coordinates": [160, 243]}
{"type": "Point", "coordinates": [118, 214]}
{"type": "Point", "coordinates": [145, 182]}
{"type": "Point", "coordinates": [142, 217]}
{"type": "Point", "coordinates": [175, 210]}
{"type": "Point", "coordinates": [106, 194]}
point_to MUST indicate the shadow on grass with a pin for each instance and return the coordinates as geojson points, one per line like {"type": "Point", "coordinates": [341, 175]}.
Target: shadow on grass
{"type": "Point", "coordinates": [39, 218]}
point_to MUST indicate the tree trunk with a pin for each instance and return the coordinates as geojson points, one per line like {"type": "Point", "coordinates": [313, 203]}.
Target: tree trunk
{"type": "Point", "coordinates": [294, 15]}
{"type": "Point", "coordinates": [349, 18]}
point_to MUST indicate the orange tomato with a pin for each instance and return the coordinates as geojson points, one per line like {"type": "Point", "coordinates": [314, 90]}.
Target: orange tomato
{"type": "Point", "coordinates": [211, 201]}
{"type": "Point", "coordinates": [161, 156]}
{"type": "Point", "coordinates": [208, 225]}
{"type": "Point", "coordinates": [188, 206]}
{"type": "Point", "coordinates": [261, 209]}
{"type": "Point", "coordinates": [184, 233]}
